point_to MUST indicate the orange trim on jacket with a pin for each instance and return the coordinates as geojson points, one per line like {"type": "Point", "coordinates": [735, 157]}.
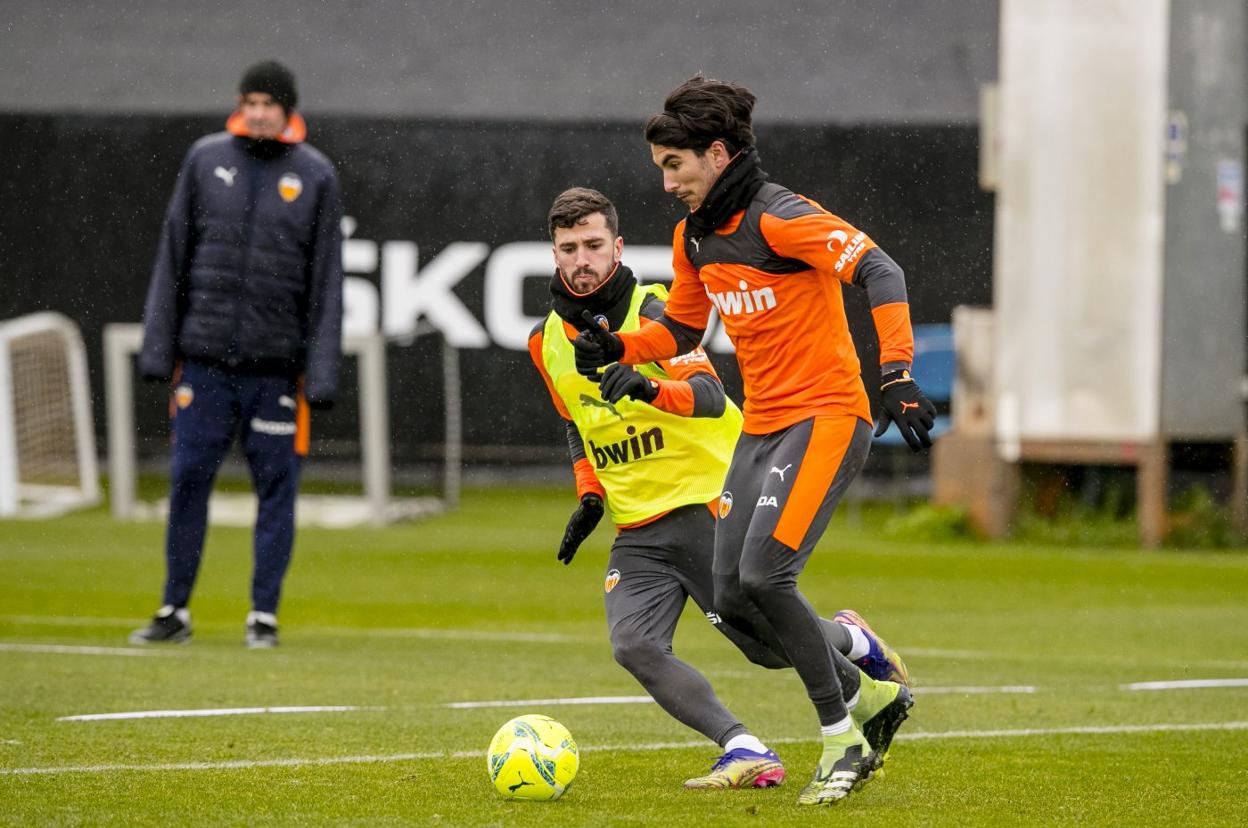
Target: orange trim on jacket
{"type": "Point", "coordinates": [303, 423]}
{"type": "Point", "coordinates": [295, 131]}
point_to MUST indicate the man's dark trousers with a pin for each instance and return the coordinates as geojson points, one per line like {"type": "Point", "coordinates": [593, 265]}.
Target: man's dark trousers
{"type": "Point", "coordinates": [212, 404]}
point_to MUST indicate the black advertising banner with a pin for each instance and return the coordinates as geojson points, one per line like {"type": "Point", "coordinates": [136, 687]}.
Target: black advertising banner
{"type": "Point", "coordinates": [447, 228]}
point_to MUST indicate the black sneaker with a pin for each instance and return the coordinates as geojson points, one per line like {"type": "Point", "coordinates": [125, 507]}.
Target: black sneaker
{"type": "Point", "coordinates": [261, 630]}
{"type": "Point", "coordinates": [168, 626]}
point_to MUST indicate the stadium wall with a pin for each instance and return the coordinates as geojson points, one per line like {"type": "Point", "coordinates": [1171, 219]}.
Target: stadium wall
{"type": "Point", "coordinates": [466, 199]}
{"type": "Point", "coordinates": [834, 61]}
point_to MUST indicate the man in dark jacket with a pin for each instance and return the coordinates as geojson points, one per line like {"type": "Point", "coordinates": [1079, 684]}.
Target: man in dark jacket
{"type": "Point", "coordinates": [244, 315]}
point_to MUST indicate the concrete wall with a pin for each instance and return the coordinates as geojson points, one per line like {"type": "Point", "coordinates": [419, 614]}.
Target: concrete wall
{"type": "Point", "coordinates": [1080, 220]}
{"type": "Point", "coordinates": [1203, 300]}
{"type": "Point", "coordinates": [820, 61]}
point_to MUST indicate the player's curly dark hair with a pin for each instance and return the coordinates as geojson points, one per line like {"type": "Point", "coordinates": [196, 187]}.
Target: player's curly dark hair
{"type": "Point", "coordinates": [703, 110]}
{"type": "Point", "coordinates": [576, 203]}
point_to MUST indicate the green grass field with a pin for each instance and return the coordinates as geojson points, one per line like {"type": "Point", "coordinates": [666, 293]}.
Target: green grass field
{"type": "Point", "coordinates": [1021, 657]}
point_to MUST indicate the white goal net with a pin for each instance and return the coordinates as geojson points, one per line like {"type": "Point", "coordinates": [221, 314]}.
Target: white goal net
{"type": "Point", "coordinates": [47, 443]}
{"type": "Point", "coordinates": [376, 506]}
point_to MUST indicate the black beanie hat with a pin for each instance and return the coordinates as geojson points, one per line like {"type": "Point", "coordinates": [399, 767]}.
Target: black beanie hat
{"type": "Point", "coordinates": [271, 78]}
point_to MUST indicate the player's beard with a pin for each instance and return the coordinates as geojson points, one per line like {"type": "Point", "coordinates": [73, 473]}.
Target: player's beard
{"type": "Point", "coordinates": [610, 298]}
{"type": "Point", "coordinates": [589, 286]}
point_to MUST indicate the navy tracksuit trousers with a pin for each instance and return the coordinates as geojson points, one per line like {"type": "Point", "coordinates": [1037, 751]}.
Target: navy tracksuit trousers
{"type": "Point", "coordinates": [213, 404]}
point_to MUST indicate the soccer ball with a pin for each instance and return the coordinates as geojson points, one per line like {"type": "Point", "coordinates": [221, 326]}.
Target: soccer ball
{"type": "Point", "coordinates": [532, 757]}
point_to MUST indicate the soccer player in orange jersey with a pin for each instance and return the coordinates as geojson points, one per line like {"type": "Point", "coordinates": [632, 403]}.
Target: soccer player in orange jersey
{"type": "Point", "coordinates": [773, 263]}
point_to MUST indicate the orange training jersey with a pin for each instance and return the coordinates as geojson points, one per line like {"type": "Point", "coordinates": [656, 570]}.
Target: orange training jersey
{"type": "Point", "coordinates": [774, 271]}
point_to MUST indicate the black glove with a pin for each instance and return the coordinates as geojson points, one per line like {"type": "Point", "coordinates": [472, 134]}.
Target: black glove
{"type": "Point", "coordinates": [903, 403]}
{"type": "Point", "coordinates": [620, 381]}
{"type": "Point", "coordinates": [595, 347]}
{"type": "Point", "coordinates": [582, 522]}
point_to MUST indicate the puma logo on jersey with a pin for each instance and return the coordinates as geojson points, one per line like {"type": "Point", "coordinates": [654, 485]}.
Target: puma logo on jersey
{"type": "Point", "coordinates": [590, 401]}
{"type": "Point", "coordinates": [226, 175]}
{"type": "Point", "coordinates": [634, 447]}
{"type": "Point", "coordinates": [697, 244]}
{"type": "Point", "coordinates": [744, 301]}
{"type": "Point", "coordinates": [780, 471]}
{"type": "Point", "coordinates": [766, 500]}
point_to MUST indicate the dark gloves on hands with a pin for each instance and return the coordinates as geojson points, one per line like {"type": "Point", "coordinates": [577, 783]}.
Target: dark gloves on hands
{"type": "Point", "coordinates": [582, 522]}
{"type": "Point", "coordinates": [620, 381]}
{"type": "Point", "coordinates": [595, 347]}
{"type": "Point", "coordinates": [904, 404]}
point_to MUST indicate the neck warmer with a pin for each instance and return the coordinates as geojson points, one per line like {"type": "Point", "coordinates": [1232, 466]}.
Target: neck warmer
{"type": "Point", "coordinates": [731, 192]}
{"type": "Point", "coordinates": [610, 299]}
{"type": "Point", "coordinates": [265, 149]}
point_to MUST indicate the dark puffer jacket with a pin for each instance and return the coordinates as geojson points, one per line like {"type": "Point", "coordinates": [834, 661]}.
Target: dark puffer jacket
{"type": "Point", "coordinates": [248, 273]}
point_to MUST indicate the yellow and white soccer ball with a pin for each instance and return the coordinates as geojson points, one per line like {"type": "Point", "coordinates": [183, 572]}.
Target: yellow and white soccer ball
{"type": "Point", "coordinates": [532, 757]}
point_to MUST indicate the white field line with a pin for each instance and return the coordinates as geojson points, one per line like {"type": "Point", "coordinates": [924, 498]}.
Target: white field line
{"type": "Point", "coordinates": [471, 705]}
{"type": "Point", "coordinates": [1186, 684]}
{"type": "Point", "coordinates": [247, 764]}
{"type": "Point", "coordinates": [1089, 730]}
{"type": "Point", "coordinates": [221, 711]}
{"type": "Point", "coordinates": [587, 700]}
{"type": "Point", "coordinates": [923, 690]}
{"type": "Point", "coordinates": [388, 632]}
{"type": "Point", "coordinates": [64, 649]}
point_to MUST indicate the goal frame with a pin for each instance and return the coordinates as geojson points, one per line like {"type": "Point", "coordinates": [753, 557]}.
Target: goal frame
{"type": "Point", "coordinates": [378, 506]}
{"type": "Point", "coordinates": [18, 499]}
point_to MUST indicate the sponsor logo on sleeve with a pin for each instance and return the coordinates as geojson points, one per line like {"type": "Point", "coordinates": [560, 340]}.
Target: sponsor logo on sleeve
{"type": "Point", "coordinates": [837, 237]}
{"type": "Point", "coordinates": [851, 248]}
{"type": "Point", "coordinates": [695, 357]}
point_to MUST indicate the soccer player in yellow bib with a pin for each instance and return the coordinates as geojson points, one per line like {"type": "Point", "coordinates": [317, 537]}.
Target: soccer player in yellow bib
{"type": "Point", "coordinates": [651, 444]}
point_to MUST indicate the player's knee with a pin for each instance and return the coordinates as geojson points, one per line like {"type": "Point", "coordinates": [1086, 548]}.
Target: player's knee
{"type": "Point", "coordinates": [635, 652]}
{"type": "Point", "coordinates": [731, 603]}
{"type": "Point", "coordinates": [764, 573]}
{"type": "Point", "coordinates": [755, 584]}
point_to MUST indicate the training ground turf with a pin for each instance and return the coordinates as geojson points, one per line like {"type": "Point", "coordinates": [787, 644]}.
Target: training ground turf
{"type": "Point", "coordinates": [1024, 660]}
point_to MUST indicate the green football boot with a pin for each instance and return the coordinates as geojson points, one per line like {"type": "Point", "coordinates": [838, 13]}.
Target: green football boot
{"type": "Point", "coordinates": [846, 765]}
